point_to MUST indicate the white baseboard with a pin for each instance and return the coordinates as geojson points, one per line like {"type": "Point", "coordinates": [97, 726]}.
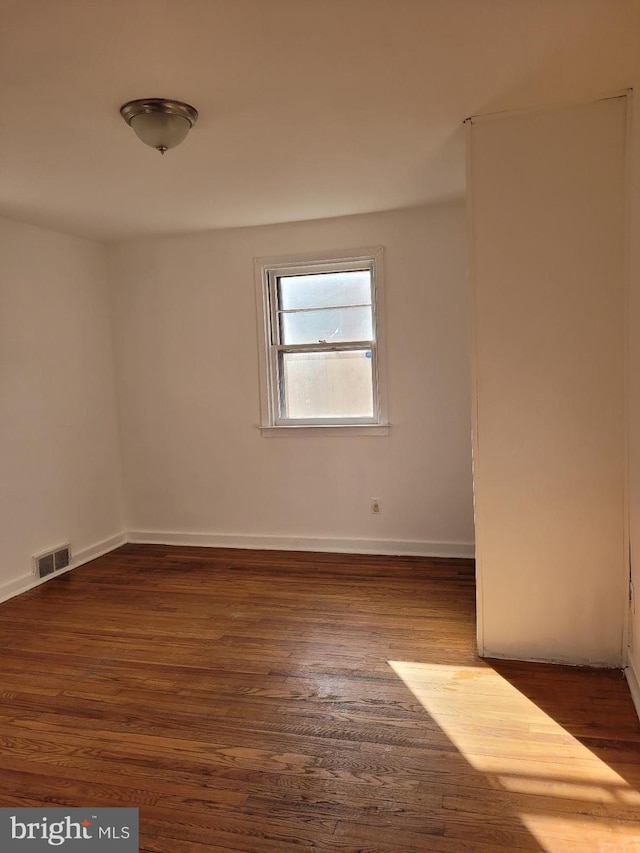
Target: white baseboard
{"type": "Point", "coordinates": [555, 660]}
{"type": "Point", "coordinates": [632, 671]}
{"type": "Point", "coordinates": [99, 549]}
{"type": "Point", "coordinates": [28, 581]}
{"type": "Point", "coordinates": [389, 547]}
{"type": "Point", "coordinates": [16, 587]}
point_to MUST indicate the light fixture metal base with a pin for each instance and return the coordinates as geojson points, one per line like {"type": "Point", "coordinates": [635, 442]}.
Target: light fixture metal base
{"type": "Point", "coordinates": [159, 105]}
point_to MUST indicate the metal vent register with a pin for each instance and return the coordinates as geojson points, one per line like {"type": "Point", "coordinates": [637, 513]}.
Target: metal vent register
{"type": "Point", "coordinates": [52, 561]}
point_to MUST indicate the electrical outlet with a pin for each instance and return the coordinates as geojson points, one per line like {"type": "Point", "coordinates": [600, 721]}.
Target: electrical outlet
{"type": "Point", "coordinates": [375, 506]}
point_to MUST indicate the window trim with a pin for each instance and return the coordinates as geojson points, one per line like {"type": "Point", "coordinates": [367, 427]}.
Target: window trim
{"type": "Point", "coordinates": [267, 270]}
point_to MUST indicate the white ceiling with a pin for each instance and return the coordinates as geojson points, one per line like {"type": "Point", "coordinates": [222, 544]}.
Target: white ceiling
{"type": "Point", "coordinates": [308, 108]}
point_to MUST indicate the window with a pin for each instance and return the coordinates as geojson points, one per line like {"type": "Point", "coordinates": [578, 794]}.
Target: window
{"type": "Point", "coordinates": [321, 341]}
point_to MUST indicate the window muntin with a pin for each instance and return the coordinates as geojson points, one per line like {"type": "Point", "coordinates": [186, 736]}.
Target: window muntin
{"type": "Point", "coordinates": [322, 347]}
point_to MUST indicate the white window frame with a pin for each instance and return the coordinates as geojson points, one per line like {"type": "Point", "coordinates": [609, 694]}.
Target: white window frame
{"type": "Point", "coordinates": [267, 271]}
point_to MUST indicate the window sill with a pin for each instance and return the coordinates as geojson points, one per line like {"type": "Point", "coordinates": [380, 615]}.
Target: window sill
{"type": "Point", "coordinates": [325, 429]}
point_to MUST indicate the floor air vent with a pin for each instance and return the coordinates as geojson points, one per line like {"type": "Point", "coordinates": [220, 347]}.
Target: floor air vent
{"type": "Point", "coordinates": [52, 561]}
{"type": "Point", "coordinates": [61, 558]}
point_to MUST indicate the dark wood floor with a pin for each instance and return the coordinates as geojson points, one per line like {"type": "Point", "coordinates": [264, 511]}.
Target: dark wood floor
{"type": "Point", "coordinates": [272, 703]}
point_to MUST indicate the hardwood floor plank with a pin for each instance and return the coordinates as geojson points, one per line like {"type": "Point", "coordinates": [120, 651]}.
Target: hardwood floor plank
{"type": "Point", "coordinates": [265, 702]}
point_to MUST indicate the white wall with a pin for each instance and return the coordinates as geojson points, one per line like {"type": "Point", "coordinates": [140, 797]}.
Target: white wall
{"type": "Point", "coordinates": [59, 453]}
{"type": "Point", "coordinates": [634, 396]}
{"type": "Point", "coordinates": [187, 364]}
{"type": "Point", "coordinates": [547, 210]}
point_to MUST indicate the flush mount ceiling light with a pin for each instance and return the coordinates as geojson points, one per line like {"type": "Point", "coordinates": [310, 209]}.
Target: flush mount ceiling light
{"type": "Point", "coordinates": [159, 122]}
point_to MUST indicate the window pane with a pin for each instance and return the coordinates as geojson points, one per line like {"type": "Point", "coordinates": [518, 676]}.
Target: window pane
{"type": "Point", "coordinates": [327, 325]}
{"type": "Point", "coordinates": [324, 290]}
{"type": "Point", "coordinates": [327, 384]}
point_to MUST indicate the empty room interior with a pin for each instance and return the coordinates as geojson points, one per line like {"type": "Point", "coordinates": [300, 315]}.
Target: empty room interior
{"type": "Point", "coordinates": [320, 424]}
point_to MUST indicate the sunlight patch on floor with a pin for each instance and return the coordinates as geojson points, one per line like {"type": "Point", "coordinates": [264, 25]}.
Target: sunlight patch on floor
{"type": "Point", "coordinates": [561, 788]}
{"type": "Point", "coordinates": [576, 834]}
{"type": "Point", "coordinates": [529, 759]}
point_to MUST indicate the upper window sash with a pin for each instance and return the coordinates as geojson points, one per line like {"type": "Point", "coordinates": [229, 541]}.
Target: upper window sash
{"type": "Point", "coordinates": [277, 312]}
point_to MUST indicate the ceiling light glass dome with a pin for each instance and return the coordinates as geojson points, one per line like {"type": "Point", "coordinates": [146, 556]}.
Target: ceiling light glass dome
{"type": "Point", "coordinates": [158, 122]}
